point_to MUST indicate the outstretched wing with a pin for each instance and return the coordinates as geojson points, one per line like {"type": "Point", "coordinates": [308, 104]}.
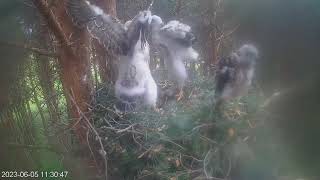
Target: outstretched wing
{"type": "Point", "coordinates": [180, 32]}
{"type": "Point", "coordinates": [107, 30]}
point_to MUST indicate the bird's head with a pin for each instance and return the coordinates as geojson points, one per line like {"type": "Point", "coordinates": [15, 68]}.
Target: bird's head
{"type": "Point", "coordinates": [145, 17]}
{"type": "Point", "coordinates": [234, 56]}
{"type": "Point", "coordinates": [156, 21]}
{"type": "Point", "coordinates": [138, 28]}
{"type": "Point", "coordinates": [156, 24]}
{"type": "Point", "coordinates": [248, 53]}
{"type": "Point", "coordinates": [179, 39]}
{"type": "Point", "coordinates": [191, 38]}
{"type": "Point", "coordinates": [127, 24]}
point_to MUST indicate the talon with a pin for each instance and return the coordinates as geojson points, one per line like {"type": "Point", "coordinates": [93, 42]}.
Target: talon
{"type": "Point", "coordinates": [156, 110]}
{"type": "Point", "coordinates": [180, 95]}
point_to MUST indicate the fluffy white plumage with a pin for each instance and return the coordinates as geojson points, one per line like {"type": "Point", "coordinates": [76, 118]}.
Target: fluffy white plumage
{"type": "Point", "coordinates": [176, 29]}
{"type": "Point", "coordinates": [135, 79]}
{"type": "Point", "coordinates": [177, 39]}
{"type": "Point", "coordinates": [95, 9]}
{"type": "Point", "coordinates": [134, 84]}
{"type": "Point", "coordinates": [235, 73]}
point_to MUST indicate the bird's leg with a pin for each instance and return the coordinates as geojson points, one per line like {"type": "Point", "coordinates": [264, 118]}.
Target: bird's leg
{"type": "Point", "coordinates": [180, 94]}
{"type": "Point", "coordinates": [156, 109]}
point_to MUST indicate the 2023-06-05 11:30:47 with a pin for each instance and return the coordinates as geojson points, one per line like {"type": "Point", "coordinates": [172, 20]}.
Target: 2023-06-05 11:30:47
{"type": "Point", "coordinates": [34, 174]}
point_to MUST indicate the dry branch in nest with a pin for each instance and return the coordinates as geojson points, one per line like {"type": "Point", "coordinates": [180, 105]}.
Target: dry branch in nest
{"type": "Point", "coordinates": [175, 142]}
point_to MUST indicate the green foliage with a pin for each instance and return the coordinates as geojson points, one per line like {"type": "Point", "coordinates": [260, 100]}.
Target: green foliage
{"type": "Point", "coordinates": [189, 139]}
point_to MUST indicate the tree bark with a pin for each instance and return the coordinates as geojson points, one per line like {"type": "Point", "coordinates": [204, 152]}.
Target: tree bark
{"type": "Point", "coordinates": [178, 8]}
{"type": "Point", "coordinates": [75, 70]}
{"type": "Point", "coordinates": [109, 6]}
{"type": "Point", "coordinates": [73, 60]}
{"type": "Point", "coordinates": [53, 23]}
{"type": "Point", "coordinates": [211, 57]}
{"type": "Point", "coordinates": [214, 52]}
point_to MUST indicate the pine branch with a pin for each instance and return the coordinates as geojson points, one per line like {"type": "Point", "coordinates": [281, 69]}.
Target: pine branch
{"type": "Point", "coordinates": [53, 24]}
{"type": "Point", "coordinates": [30, 48]}
{"type": "Point", "coordinates": [33, 147]}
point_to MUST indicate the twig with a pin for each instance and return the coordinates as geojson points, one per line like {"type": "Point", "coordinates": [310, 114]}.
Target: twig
{"type": "Point", "coordinates": [106, 108]}
{"type": "Point", "coordinates": [94, 158]}
{"type": "Point", "coordinates": [136, 141]}
{"type": "Point", "coordinates": [205, 163]}
{"type": "Point", "coordinates": [208, 139]}
{"type": "Point", "coordinates": [102, 150]}
{"type": "Point", "coordinates": [117, 130]}
{"type": "Point", "coordinates": [189, 172]}
{"type": "Point", "coordinates": [32, 49]}
{"type": "Point", "coordinates": [126, 129]}
{"type": "Point", "coordinates": [203, 125]}
{"type": "Point", "coordinates": [223, 35]}
{"type": "Point", "coordinates": [105, 120]}
{"type": "Point", "coordinates": [193, 158]}
{"type": "Point", "coordinates": [53, 23]}
{"type": "Point", "coordinates": [150, 6]}
{"type": "Point", "coordinates": [170, 141]}
{"type": "Point", "coordinates": [148, 150]}
{"type": "Point", "coordinates": [34, 147]}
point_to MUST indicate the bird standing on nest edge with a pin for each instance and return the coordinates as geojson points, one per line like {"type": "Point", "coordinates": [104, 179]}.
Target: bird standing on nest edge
{"type": "Point", "coordinates": [176, 40]}
{"type": "Point", "coordinates": [235, 73]}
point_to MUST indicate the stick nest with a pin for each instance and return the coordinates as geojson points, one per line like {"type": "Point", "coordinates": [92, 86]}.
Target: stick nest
{"type": "Point", "coordinates": [184, 140]}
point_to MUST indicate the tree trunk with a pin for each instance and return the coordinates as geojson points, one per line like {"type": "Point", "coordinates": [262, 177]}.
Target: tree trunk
{"type": "Point", "coordinates": [214, 52]}
{"type": "Point", "coordinates": [74, 61]}
{"type": "Point", "coordinates": [75, 77]}
{"type": "Point", "coordinates": [210, 54]}
{"type": "Point", "coordinates": [75, 73]}
{"type": "Point", "coordinates": [109, 6]}
{"type": "Point", "coordinates": [178, 8]}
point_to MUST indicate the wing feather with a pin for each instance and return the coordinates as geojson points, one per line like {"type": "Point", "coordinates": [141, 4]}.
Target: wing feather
{"type": "Point", "coordinates": [107, 30]}
{"type": "Point", "coordinates": [179, 32]}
